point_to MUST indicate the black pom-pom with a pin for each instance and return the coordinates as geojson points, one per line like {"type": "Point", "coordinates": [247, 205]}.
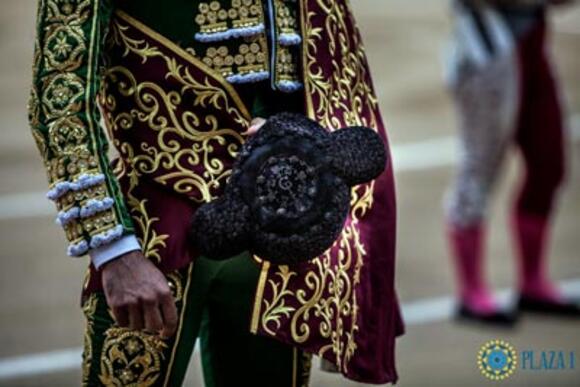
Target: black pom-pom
{"type": "Point", "coordinates": [288, 196]}
{"type": "Point", "coordinates": [222, 229]}
{"type": "Point", "coordinates": [359, 154]}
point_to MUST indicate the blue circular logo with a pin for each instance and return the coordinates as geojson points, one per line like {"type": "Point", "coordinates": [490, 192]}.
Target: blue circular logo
{"type": "Point", "coordinates": [497, 360]}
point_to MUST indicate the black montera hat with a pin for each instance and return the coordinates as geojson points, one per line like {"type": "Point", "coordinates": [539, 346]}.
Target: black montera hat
{"type": "Point", "coordinates": [289, 193]}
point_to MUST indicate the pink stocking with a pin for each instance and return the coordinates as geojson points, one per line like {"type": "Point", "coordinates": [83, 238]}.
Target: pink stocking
{"type": "Point", "coordinates": [467, 248]}
{"type": "Point", "coordinates": [531, 233]}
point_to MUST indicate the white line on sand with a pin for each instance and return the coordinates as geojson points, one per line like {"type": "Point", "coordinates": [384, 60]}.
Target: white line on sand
{"type": "Point", "coordinates": [418, 312]}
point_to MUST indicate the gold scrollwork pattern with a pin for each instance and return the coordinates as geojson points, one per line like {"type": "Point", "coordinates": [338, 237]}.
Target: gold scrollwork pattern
{"type": "Point", "coordinates": [149, 239]}
{"type": "Point", "coordinates": [275, 309]}
{"type": "Point", "coordinates": [196, 170]}
{"type": "Point", "coordinates": [319, 300]}
{"type": "Point", "coordinates": [349, 74]}
{"type": "Point", "coordinates": [131, 358]}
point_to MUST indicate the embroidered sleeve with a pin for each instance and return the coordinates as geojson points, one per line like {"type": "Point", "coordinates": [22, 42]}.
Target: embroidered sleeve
{"type": "Point", "coordinates": [64, 118]}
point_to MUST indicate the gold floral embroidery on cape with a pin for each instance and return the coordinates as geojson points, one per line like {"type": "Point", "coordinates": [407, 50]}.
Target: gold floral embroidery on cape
{"type": "Point", "coordinates": [150, 241]}
{"type": "Point", "coordinates": [327, 302]}
{"type": "Point", "coordinates": [154, 105]}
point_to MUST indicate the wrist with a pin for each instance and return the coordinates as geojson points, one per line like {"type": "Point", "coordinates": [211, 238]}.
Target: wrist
{"type": "Point", "coordinates": [120, 260]}
{"type": "Point", "coordinates": [105, 254]}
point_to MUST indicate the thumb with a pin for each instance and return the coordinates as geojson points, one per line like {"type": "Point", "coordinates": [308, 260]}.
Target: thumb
{"type": "Point", "coordinates": [255, 125]}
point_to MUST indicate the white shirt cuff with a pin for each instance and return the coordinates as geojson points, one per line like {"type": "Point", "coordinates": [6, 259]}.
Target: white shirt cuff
{"type": "Point", "coordinates": [104, 254]}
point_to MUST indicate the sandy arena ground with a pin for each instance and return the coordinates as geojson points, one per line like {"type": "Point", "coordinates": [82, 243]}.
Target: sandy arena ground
{"type": "Point", "coordinates": [41, 324]}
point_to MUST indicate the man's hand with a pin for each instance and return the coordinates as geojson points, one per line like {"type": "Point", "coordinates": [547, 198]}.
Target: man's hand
{"type": "Point", "coordinates": [139, 295]}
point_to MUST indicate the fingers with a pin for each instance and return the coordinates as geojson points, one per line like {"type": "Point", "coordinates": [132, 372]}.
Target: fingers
{"type": "Point", "coordinates": [139, 296]}
{"type": "Point", "coordinates": [255, 125]}
{"type": "Point", "coordinates": [169, 311]}
{"type": "Point", "coordinates": [121, 316]}
{"type": "Point", "coordinates": [135, 317]}
{"type": "Point", "coordinates": [152, 316]}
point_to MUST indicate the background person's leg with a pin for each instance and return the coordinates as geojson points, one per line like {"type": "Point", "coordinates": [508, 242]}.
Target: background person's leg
{"type": "Point", "coordinates": [486, 106]}
{"type": "Point", "coordinates": [541, 140]}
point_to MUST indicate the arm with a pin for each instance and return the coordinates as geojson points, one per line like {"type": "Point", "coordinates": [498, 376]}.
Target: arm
{"type": "Point", "coordinates": [64, 118]}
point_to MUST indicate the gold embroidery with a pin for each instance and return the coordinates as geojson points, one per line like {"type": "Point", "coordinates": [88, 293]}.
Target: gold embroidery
{"type": "Point", "coordinates": [67, 136]}
{"type": "Point", "coordinates": [251, 57]}
{"type": "Point", "coordinates": [152, 104]}
{"type": "Point", "coordinates": [286, 56]}
{"type": "Point", "coordinates": [257, 312]}
{"type": "Point", "coordinates": [148, 237]}
{"type": "Point", "coordinates": [286, 65]}
{"type": "Point", "coordinates": [61, 107]}
{"type": "Point", "coordinates": [212, 17]}
{"type": "Point", "coordinates": [238, 110]}
{"type": "Point", "coordinates": [100, 222]}
{"type": "Point", "coordinates": [74, 231]}
{"type": "Point", "coordinates": [327, 303]}
{"type": "Point", "coordinates": [63, 95]}
{"type": "Point", "coordinates": [64, 47]}
{"type": "Point", "coordinates": [275, 309]}
{"type": "Point", "coordinates": [131, 358]}
{"type": "Point", "coordinates": [33, 101]}
{"type": "Point", "coordinates": [98, 191]}
{"type": "Point", "coordinates": [68, 12]}
{"type": "Point", "coordinates": [149, 104]}
{"type": "Point", "coordinates": [176, 286]}
{"type": "Point", "coordinates": [286, 17]}
{"type": "Point", "coordinates": [89, 309]}
{"type": "Point", "coordinates": [79, 198]}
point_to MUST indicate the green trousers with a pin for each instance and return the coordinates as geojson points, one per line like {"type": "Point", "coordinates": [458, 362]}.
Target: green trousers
{"type": "Point", "coordinates": [214, 301]}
